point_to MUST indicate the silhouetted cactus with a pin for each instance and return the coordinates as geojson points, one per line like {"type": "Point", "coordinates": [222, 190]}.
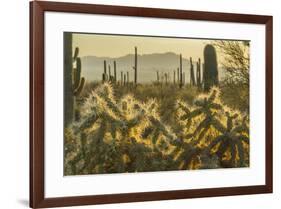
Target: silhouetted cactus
{"type": "Point", "coordinates": [166, 78]}
{"type": "Point", "coordinates": [157, 76]}
{"type": "Point", "coordinates": [178, 75]}
{"type": "Point", "coordinates": [109, 73]}
{"type": "Point", "coordinates": [73, 82]}
{"type": "Point", "coordinates": [128, 80]}
{"type": "Point", "coordinates": [125, 80]}
{"type": "Point", "coordinates": [181, 83]}
{"type": "Point", "coordinates": [198, 77]}
{"type": "Point", "coordinates": [135, 67]}
{"type": "Point", "coordinates": [192, 78]}
{"type": "Point", "coordinates": [115, 71]}
{"type": "Point", "coordinates": [210, 71]}
{"type": "Point", "coordinates": [104, 75]}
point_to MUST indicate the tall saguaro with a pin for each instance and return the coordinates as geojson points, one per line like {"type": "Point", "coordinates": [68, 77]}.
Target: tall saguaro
{"type": "Point", "coordinates": [192, 78]}
{"type": "Point", "coordinates": [68, 98]}
{"type": "Point", "coordinates": [73, 82]}
{"type": "Point", "coordinates": [136, 65]}
{"type": "Point", "coordinates": [198, 68]}
{"type": "Point", "coordinates": [181, 71]}
{"type": "Point", "coordinates": [157, 75]}
{"type": "Point", "coordinates": [210, 75]}
{"type": "Point", "coordinates": [109, 73]}
{"type": "Point", "coordinates": [104, 76]}
{"type": "Point", "coordinates": [115, 71]}
{"type": "Point", "coordinates": [178, 75]}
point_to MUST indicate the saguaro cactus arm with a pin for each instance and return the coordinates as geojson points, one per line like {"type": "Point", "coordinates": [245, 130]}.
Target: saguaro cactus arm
{"type": "Point", "coordinates": [76, 52]}
{"type": "Point", "coordinates": [79, 88]}
{"type": "Point", "coordinates": [78, 82]}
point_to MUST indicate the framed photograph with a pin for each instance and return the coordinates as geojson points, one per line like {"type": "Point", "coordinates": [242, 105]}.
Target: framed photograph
{"type": "Point", "coordinates": [141, 104]}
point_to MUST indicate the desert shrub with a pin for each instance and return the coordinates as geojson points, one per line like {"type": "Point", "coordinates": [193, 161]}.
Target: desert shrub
{"type": "Point", "coordinates": [236, 96]}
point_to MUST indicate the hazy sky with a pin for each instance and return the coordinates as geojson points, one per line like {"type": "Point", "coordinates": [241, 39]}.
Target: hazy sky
{"type": "Point", "coordinates": [116, 45]}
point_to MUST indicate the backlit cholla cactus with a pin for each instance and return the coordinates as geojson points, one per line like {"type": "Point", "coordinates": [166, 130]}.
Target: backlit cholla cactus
{"type": "Point", "coordinates": [215, 132]}
{"type": "Point", "coordinates": [106, 122]}
{"type": "Point", "coordinates": [127, 135]}
{"type": "Point", "coordinates": [233, 141]}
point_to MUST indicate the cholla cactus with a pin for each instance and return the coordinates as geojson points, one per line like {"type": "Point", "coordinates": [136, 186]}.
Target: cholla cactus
{"type": "Point", "coordinates": [232, 140]}
{"type": "Point", "coordinates": [127, 135]}
{"type": "Point", "coordinates": [224, 131]}
{"type": "Point", "coordinates": [205, 114]}
{"type": "Point", "coordinates": [117, 127]}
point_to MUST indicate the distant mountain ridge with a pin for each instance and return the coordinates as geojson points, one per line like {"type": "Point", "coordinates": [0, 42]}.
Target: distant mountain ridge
{"type": "Point", "coordinates": [148, 64]}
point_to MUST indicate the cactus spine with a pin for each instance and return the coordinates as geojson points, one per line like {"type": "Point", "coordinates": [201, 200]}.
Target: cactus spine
{"type": "Point", "coordinates": [73, 83]}
{"type": "Point", "coordinates": [210, 71]}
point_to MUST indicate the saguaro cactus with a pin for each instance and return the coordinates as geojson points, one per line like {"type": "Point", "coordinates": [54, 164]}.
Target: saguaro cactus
{"type": "Point", "coordinates": [198, 77]}
{"type": "Point", "coordinates": [115, 71]}
{"type": "Point", "coordinates": [73, 82]}
{"type": "Point", "coordinates": [174, 77]}
{"type": "Point", "coordinates": [210, 71]}
{"type": "Point", "coordinates": [192, 78]}
{"type": "Point", "coordinates": [157, 74]}
{"type": "Point", "coordinates": [109, 73]}
{"type": "Point", "coordinates": [178, 75]}
{"type": "Point", "coordinates": [104, 75]}
{"type": "Point", "coordinates": [125, 80]}
{"type": "Point", "coordinates": [111, 76]}
{"type": "Point", "coordinates": [121, 78]}
{"type": "Point", "coordinates": [135, 67]}
{"type": "Point", "coordinates": [78, 82]}
{"type": "Point", "coordinates": [166, 78]}
{"type": "Point", "coordinates": [180, 70]}
{"type": "Point", "coordinates": [128, 77]}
